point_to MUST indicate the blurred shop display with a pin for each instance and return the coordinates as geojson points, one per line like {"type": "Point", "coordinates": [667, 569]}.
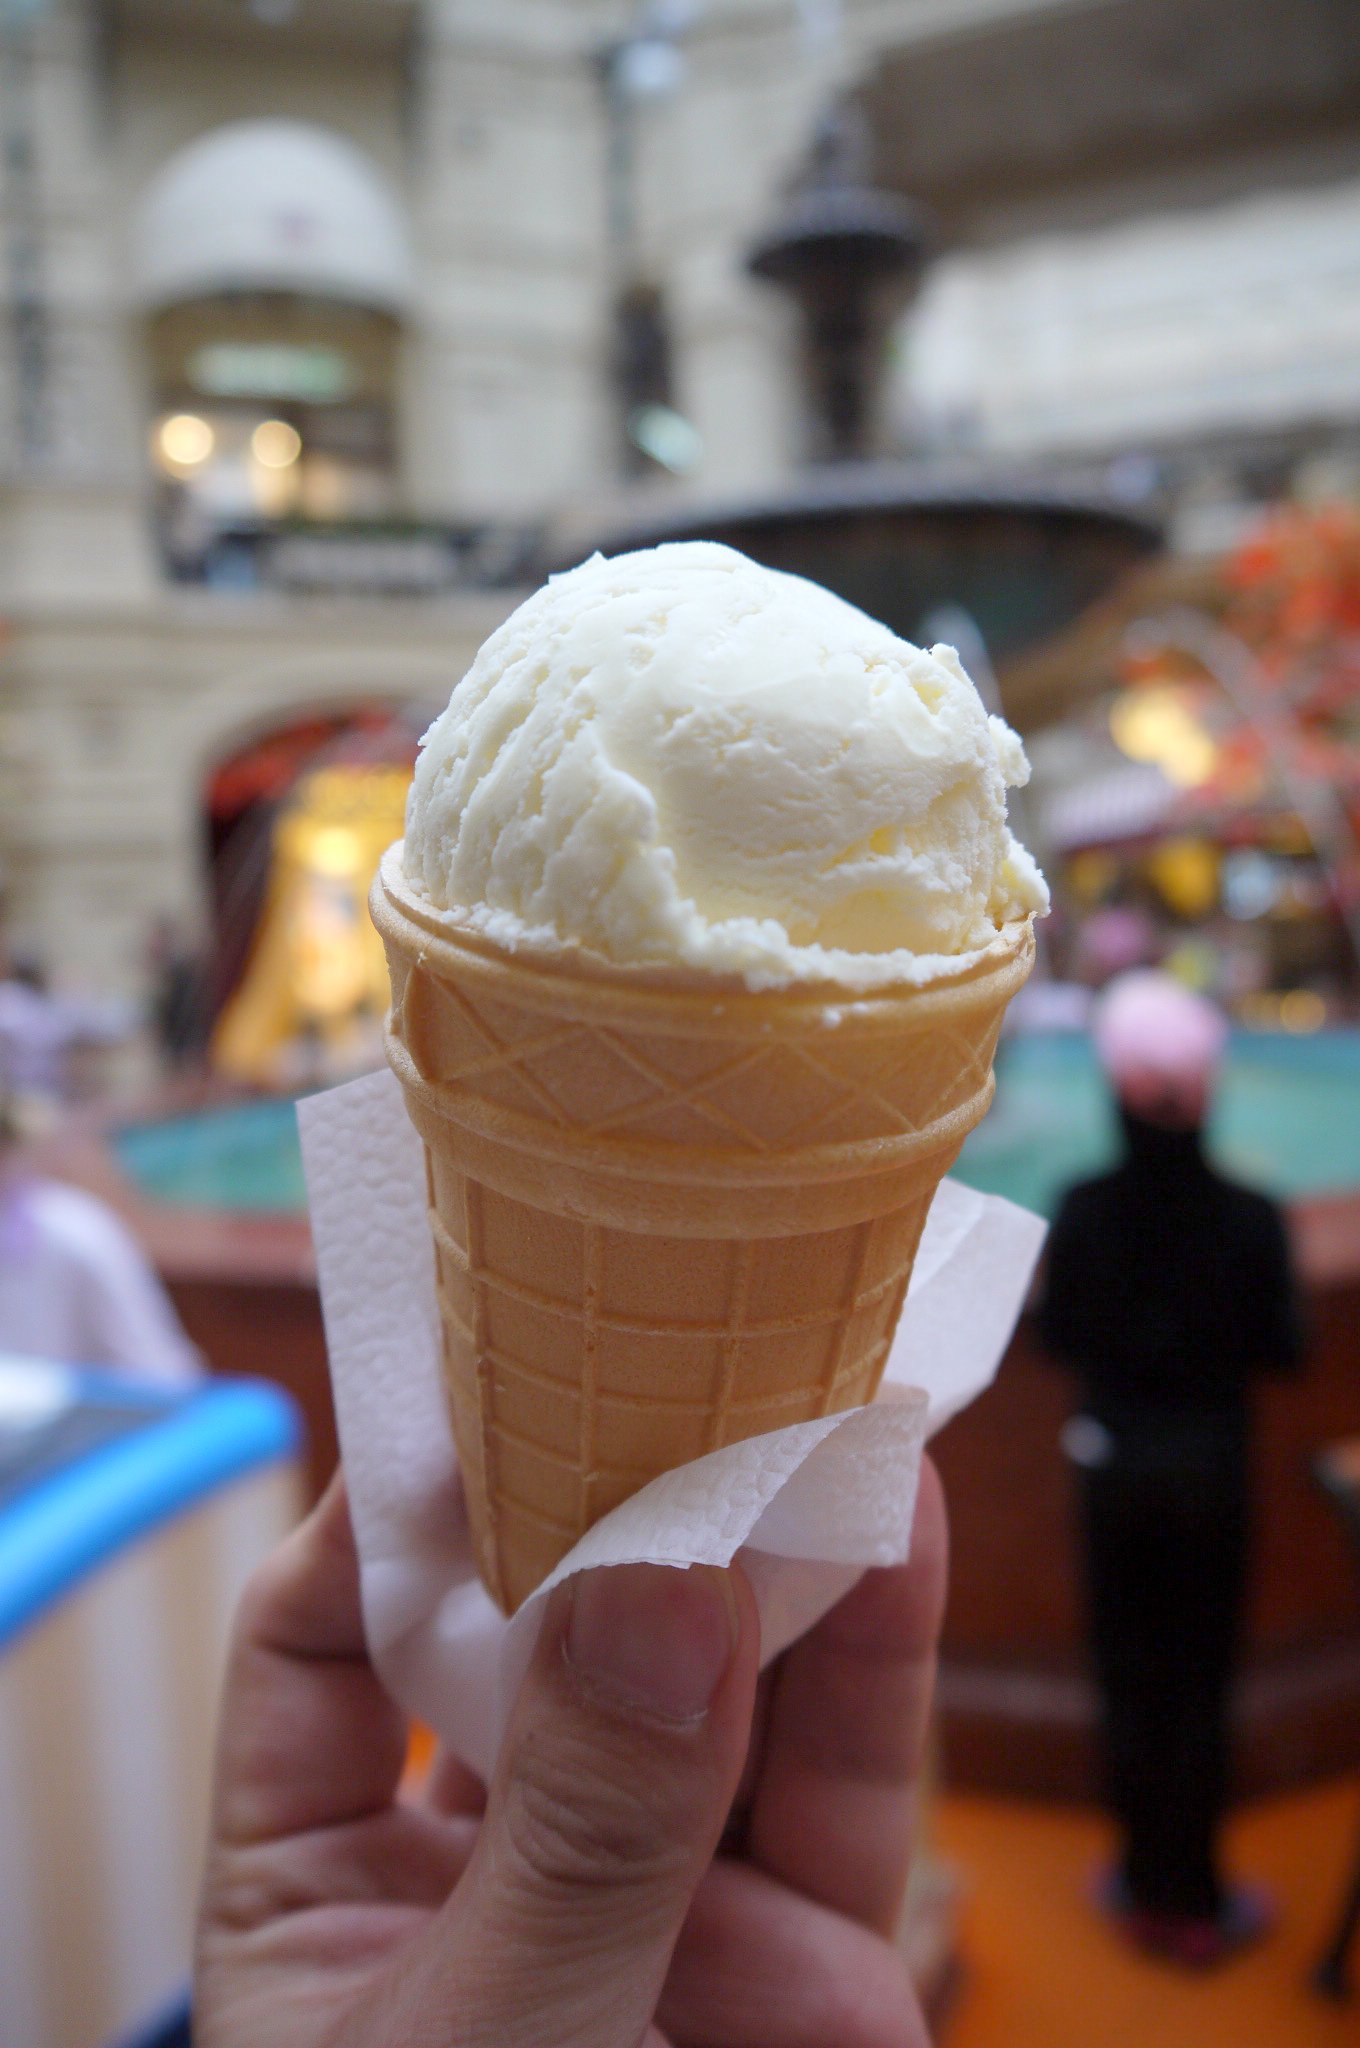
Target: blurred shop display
{"type": "Point", "coordinates": [289, 989]}
{"type": "Point", "coordinates": [129, 1522]}
{"type": "Point", "coordinates": [314, 993]}
{"type": "Point", "coordinates": [1218, 810]}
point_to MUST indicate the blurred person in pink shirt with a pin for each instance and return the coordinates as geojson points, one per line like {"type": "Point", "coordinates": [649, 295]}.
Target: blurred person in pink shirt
{"type": "Point", "coordinates": [75, 1285]}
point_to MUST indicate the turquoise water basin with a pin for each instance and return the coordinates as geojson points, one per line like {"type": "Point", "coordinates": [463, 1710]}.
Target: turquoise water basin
{"type": "Point", "coordinates": [1287, 1120]}
{"type": "Point", "coordinates": [245, 1156]}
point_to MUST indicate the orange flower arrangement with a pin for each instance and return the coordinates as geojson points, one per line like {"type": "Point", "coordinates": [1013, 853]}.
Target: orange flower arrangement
{"type": "Point", "coordinates": [1293, 596]}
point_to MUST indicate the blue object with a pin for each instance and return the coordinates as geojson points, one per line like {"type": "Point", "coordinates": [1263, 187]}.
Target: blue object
{"type": "Point", "coordinates": [78, 1516]}
{"type": "Point", "coordinates": [172, 2028]}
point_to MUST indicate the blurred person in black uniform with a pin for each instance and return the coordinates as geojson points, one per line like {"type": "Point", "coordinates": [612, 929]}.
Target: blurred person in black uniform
{"type": "Point", "coordinates": [1168, 1290]}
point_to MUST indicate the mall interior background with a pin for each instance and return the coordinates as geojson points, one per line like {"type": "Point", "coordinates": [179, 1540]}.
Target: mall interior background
{"type": "Point", "coordinates": [311, 339]}
{"type": "Point", "coordinates": [328, 327]}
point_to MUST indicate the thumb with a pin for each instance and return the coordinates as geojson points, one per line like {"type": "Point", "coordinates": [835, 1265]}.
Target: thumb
{"type": "Point", "coordinates": [618, 1770]}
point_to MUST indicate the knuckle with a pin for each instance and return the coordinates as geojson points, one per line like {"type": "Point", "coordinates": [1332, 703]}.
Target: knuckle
{"type": "Point", "coordinates": [575, 1823]}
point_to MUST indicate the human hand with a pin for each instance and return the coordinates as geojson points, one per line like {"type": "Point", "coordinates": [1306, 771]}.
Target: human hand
{"type": "Point", "coordinates": [672, 1851]}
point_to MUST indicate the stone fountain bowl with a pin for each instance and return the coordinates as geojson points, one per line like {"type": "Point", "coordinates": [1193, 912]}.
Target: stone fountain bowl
{"type": "Point", "coordinates": [1022, 556]}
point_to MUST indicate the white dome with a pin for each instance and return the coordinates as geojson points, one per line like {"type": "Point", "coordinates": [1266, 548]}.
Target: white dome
{"type": "Point", "coordinates": [271, 206]}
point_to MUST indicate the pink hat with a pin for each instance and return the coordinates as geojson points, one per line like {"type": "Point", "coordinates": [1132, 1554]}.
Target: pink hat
{"type": "Point", "coordinates": [1154, 1035]}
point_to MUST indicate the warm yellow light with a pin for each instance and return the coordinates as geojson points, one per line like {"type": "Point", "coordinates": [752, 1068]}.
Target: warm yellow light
{"type": "Point", "coordinates": [184, 440]}
{"type": "Point", "coordinates": [1302, 1010]}
{"type": "Point", "coordinates": [1156, 724]}
{"type": "Point", "coordinates": [275, 444]}
{"type": "Point", "coordinates": [334, 850]}
{"type": "Point", "coordinates": [1185, 873]}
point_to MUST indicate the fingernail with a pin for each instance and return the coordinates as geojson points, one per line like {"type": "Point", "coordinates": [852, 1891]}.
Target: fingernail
{"type": "Point", "coordinates": [653, 1637]}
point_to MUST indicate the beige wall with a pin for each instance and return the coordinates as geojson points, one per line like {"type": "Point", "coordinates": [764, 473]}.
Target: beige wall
{"type": "Point", "coordinates": [713, 163]}
{"type": "Point", "coordinates": [165, 92]}
{"type": "Point", "coordinates": [1240, 316]}
{"type": "Point", "coordinates": [115, 716]}
{"type": "Point", "coordinates": [504, 412]}
{"type": "Point", "coordinates": [88, 416]}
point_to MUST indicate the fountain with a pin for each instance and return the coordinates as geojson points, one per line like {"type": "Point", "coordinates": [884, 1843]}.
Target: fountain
{"type": "Point", "coordinates": [1020, 554]}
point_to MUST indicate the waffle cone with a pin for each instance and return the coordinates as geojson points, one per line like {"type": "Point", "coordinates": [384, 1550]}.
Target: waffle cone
{"type": "Point", "coordinates": [667, 1214]}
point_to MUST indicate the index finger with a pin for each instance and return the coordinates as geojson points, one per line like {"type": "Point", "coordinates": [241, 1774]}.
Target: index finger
{"type": "Point", "coordinates": [834, 1803]}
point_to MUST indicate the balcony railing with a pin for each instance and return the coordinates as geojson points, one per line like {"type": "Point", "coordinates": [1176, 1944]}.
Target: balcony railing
{"type": "Point", "coordinates": [369, 558]}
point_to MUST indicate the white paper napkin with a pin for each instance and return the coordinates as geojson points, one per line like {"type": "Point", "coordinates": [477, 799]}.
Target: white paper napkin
{"type": "Point", "coordinates": [809, 1507]}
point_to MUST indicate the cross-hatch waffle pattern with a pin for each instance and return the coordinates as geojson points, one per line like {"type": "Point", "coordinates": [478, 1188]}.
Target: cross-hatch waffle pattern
{"type": "Point", "coordinates": [583, 1361]}
{"type": "Point", "coordinates": [641, 1084]}
{"type": "Point", "coordinates": [663, 1221]}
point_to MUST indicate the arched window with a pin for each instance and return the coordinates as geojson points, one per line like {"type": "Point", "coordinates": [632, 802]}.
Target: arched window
{"type": "Point", "coordinates": [272, 269]}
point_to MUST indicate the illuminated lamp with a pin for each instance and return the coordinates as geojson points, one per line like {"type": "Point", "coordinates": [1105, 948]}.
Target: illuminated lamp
{"type": "Point", "coordinates": [275, 444]}
{"type": "Point", "coordinates": [184, 441]}
{"type": "Point", "coordinates": [1156, 724]}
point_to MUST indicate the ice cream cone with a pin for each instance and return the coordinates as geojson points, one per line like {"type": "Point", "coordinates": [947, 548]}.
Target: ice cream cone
{"type": "Point", "coordinates": [669, 1212]}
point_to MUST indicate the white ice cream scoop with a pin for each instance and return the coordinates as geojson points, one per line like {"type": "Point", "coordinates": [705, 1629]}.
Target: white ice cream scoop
{"type": "Point", "coordinates": [679, 758]}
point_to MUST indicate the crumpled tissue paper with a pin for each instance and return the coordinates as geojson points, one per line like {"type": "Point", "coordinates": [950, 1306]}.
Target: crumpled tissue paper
{"type": "Point", "coordinates": [808, 1507]}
